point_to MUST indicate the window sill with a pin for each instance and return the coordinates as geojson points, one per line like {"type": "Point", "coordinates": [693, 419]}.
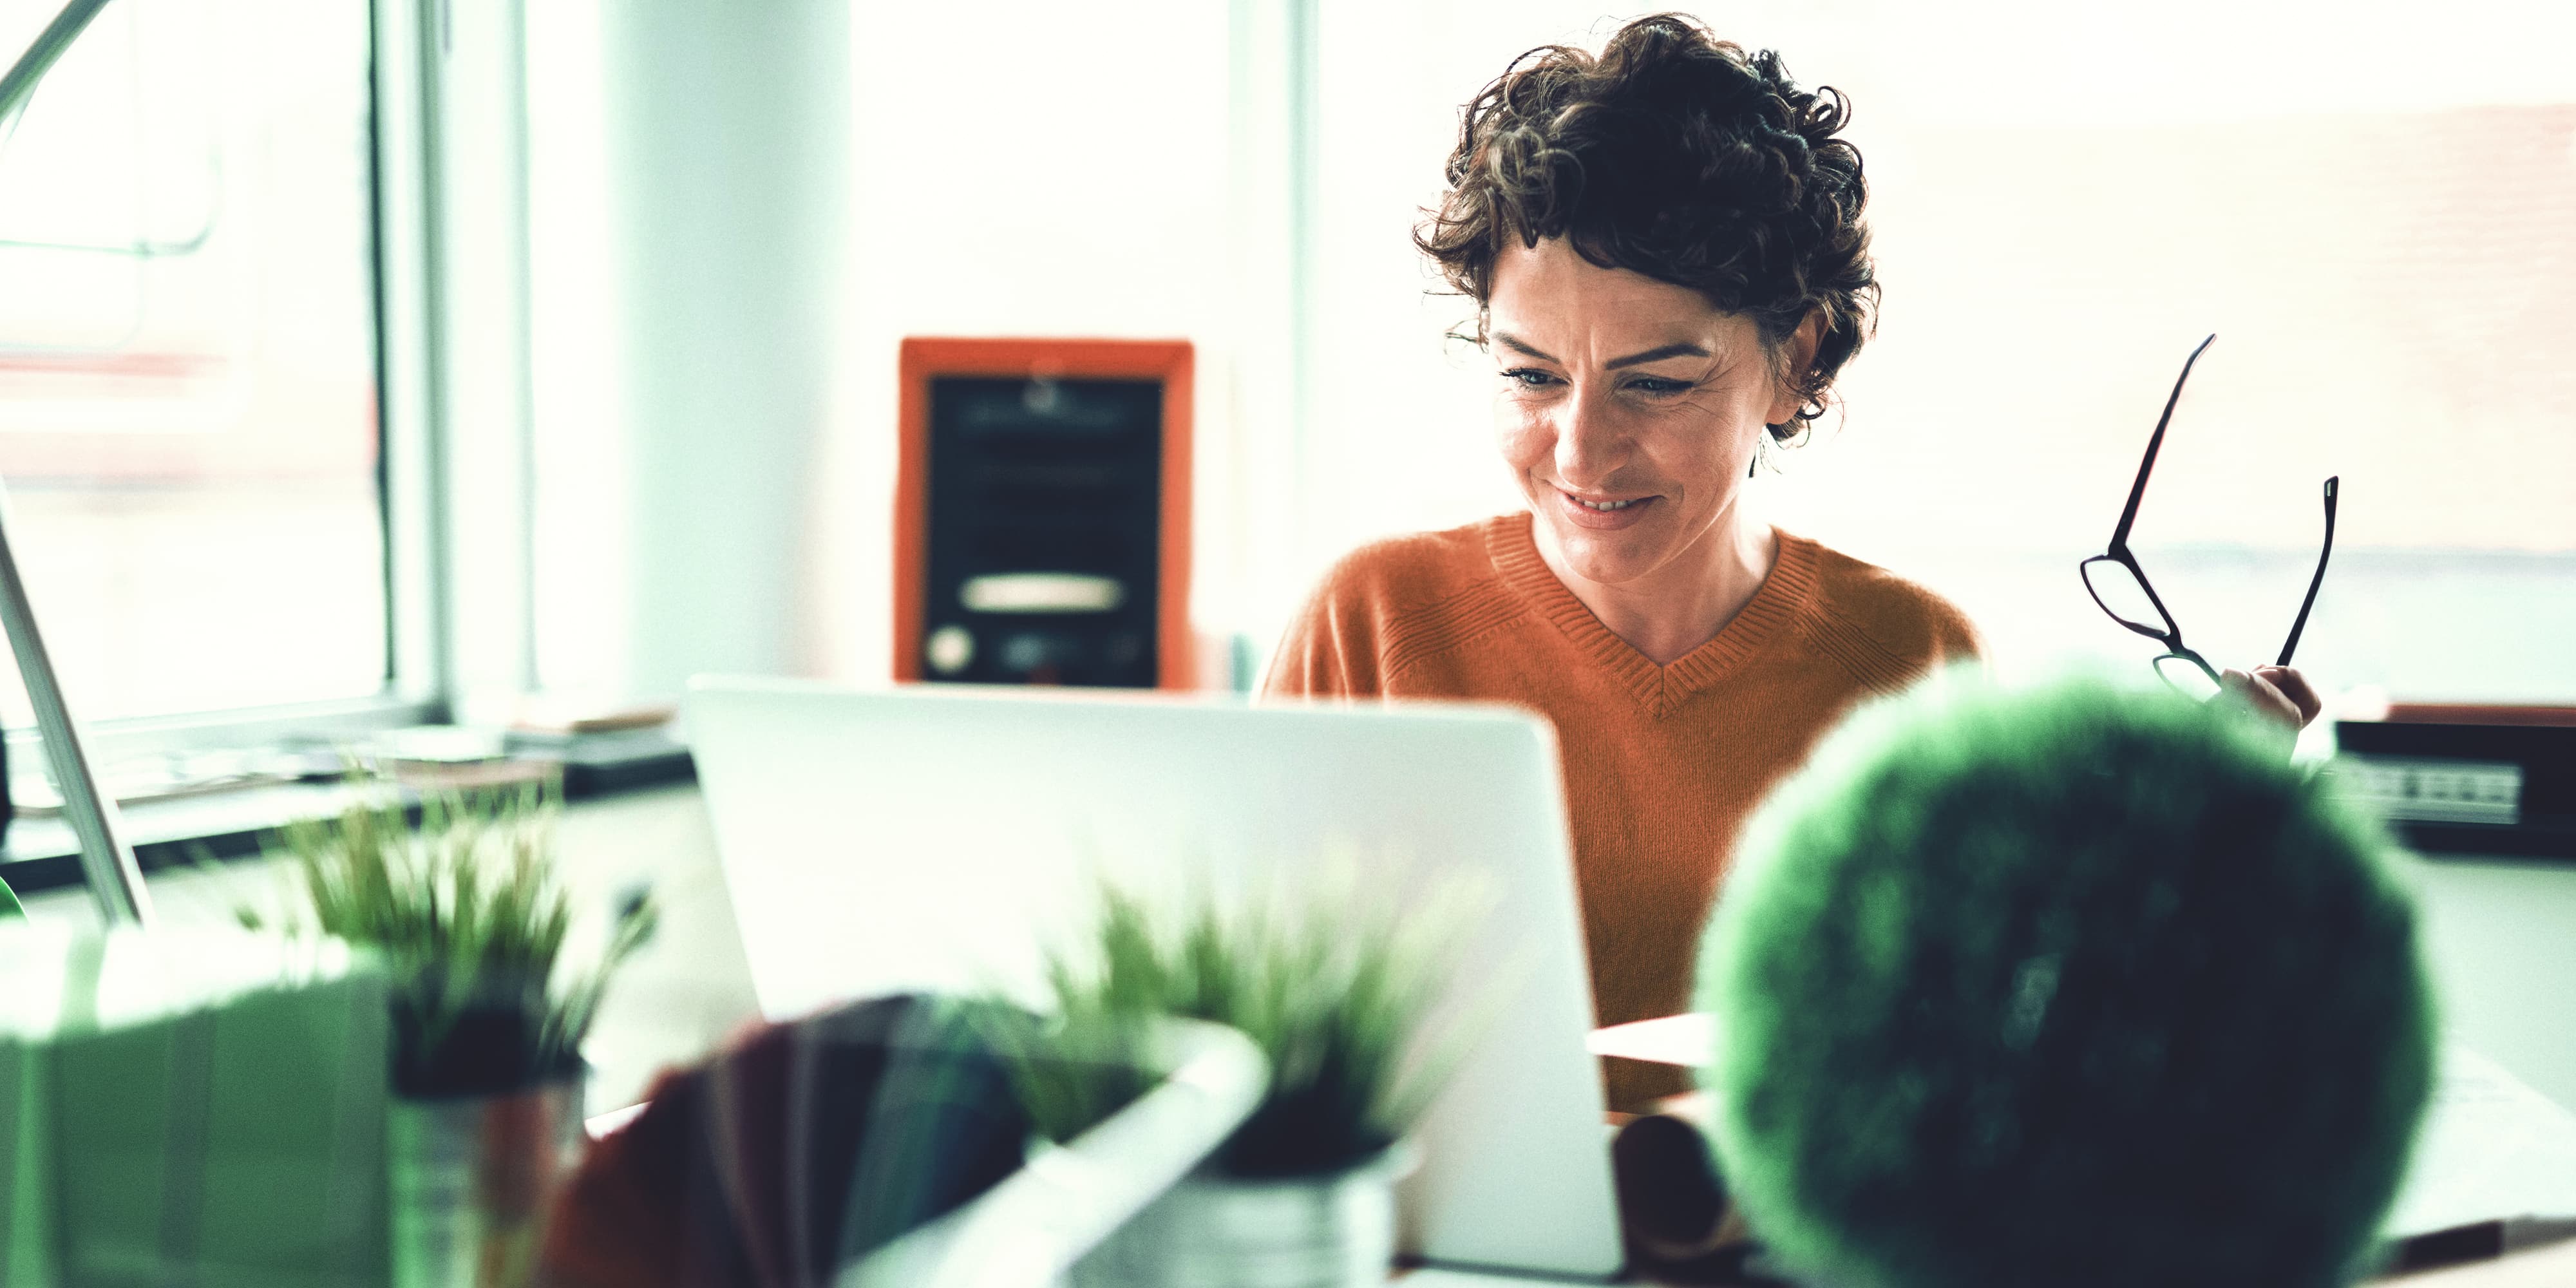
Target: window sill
{"type": "Point", "coordinates": [41, 853]}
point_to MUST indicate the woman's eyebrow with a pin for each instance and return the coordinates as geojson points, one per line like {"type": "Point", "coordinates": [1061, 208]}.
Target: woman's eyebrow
{"type": "Point", "coordinates": [1684, 350]}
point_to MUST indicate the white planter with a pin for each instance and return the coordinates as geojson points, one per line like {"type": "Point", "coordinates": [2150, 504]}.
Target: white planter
{"type": "Point", "coordinates": [1335, 1230]}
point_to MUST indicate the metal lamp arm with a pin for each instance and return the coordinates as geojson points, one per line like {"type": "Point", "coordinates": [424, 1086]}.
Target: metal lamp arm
{"type": "Point", "coordinates": [58, 35]}
{"type": "Point", "coordinates": [114, 879]}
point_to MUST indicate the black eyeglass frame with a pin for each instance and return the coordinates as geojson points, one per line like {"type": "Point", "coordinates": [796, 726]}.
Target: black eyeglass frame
{"type": "Point", "coordinates": [2118, 553]}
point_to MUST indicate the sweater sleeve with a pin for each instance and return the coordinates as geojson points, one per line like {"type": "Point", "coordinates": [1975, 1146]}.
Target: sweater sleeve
{"type": "Point", "coordinates": [1955, 639]}
{"type": "Point", "coordinates": [1330, 648]}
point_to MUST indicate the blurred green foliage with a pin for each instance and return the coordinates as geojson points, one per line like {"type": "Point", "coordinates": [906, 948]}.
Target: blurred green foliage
{"type": "Point", "coordinates": [470, 914]}
{"type": "Point", "coordinates": [1335, 994]}
{"type": "Point", "coordinates": [2073, 985]}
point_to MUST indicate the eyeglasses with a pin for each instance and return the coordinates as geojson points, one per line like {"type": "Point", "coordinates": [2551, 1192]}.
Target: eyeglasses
{"type": "Point", "coordinates": [2120, 587]}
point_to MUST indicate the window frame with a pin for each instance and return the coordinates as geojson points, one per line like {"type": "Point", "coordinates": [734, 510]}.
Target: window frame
{"type": "Point", "coordinates": [408, 47]}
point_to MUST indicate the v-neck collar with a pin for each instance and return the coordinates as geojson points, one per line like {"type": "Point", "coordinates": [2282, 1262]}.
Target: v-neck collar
{"type": "Point", "coordinates": [1660, 689]}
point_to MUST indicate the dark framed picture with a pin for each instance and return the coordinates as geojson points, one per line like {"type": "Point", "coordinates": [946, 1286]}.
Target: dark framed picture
{"type": "Point", "coordinates": [1042, 513]}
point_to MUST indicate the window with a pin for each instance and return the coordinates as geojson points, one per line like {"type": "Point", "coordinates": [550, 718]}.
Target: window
{"type": "Point", "coordinates": [190, 411]}
{"type": "Point", "coordinates": [2065, 202]}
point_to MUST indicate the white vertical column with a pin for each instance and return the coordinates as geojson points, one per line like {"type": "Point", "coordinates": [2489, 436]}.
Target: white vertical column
{"type": "Point", "coordinates": [581, 573]}
{"type": "Point", "coordinates": [1270, 243]}
{"type": "Point", "coordinates": [728, 163]}
{"type": "Point", "coordinates": [478, 264]}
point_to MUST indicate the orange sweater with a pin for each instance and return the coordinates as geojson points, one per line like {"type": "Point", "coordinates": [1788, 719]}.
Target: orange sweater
{"type": "Point", "coordinates": [1661, 763]}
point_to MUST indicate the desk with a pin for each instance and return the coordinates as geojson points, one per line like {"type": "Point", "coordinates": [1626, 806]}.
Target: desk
{"type": "Point", "coordinates": [2500, 940]}
{"type": "Point", "coordinates": [2550, 1267]}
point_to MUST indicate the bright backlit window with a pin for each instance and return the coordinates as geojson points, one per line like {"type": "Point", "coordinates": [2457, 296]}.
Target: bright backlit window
{"type": "Point", "coordinates": [189, 411]}
{"type": "Point", "coordinates": [2374, 208]}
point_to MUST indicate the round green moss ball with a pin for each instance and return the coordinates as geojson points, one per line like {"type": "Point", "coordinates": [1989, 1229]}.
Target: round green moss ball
{"type": "Point", "coordinates": [2076, 986]}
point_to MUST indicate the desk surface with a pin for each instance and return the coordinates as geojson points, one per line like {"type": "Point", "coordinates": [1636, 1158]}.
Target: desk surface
{"type": "Point", "coordinates": [2500, 940]}
{"type": "Point", "coordinates": [2550, 1267]}
{"type": "Point", "coordinates": [2497, 939]}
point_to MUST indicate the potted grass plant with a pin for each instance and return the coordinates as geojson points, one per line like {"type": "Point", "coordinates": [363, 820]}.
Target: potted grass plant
{"type": "Point", "coordinates": [1302, 1195]}
{"type": "Point", "coordinates": [490, 1006]}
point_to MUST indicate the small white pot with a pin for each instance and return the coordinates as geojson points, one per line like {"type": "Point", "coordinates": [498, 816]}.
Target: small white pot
{"type": "Point", "coordinates": [1334, 1230]}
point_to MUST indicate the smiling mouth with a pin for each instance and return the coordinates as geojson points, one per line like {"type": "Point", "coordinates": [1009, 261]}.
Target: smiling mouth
{"type": "Point", "coordinates": [1607, 507]}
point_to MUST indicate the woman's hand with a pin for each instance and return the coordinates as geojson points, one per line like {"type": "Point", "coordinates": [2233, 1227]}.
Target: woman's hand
{"type": "Point", "coordinates": [2279, 692]}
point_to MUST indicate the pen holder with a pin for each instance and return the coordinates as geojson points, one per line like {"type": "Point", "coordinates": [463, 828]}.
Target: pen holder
{"type": "Point", "coordinates": [473, 1180]}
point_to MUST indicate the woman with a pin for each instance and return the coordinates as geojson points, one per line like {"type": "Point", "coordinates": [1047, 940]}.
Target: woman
{"type": "Point", "coordinates": [1666, 249]}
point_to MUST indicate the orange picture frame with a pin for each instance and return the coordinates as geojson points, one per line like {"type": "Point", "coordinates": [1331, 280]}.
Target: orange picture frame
{"type": "Point", "coordinates": [924, 359]}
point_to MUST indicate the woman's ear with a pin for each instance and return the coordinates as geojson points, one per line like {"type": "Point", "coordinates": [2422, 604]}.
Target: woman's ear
{"type": "Point", "coordinates": [1798, 357]}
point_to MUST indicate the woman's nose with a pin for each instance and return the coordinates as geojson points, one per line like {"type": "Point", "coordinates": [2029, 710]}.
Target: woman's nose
{"type": "Point", "coordinates": [1590, 444]}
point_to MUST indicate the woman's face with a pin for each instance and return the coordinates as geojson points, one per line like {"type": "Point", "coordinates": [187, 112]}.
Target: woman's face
{"type": "Point", "coordinates": [1629, 410]}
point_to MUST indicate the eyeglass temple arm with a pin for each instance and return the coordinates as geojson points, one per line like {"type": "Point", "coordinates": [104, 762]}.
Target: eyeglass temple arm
{"type": "Point", "coordinates": [2156, 441]}
{"type": "Point", "coordinates": [2291, 645]}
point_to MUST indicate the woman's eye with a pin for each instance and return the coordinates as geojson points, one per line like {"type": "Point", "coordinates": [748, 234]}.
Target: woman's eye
{"type": "Point", "coordinates": [1529, 378]}
{"type": "Point", "coordinates": [1657, 387]}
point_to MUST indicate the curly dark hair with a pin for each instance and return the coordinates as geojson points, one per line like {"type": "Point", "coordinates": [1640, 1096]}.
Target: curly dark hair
{"type": "Point", "coordinates": [1679, 156]}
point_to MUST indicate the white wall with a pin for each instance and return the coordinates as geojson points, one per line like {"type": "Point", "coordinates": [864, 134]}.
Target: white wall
{"type": "Point", "coordinates": [689, 261]}
{"type": "Point", "coordinates": [1015, 169]}
{"type": "Point", "coordinates": [1036, 169]}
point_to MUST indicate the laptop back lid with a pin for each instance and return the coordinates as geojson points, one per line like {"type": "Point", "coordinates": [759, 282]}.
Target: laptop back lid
{"type": "Point", "coordinates": [918, 839]}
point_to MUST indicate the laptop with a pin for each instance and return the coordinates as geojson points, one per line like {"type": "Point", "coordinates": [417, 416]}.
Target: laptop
{"type": "Point", "coordinates": [943, 838]}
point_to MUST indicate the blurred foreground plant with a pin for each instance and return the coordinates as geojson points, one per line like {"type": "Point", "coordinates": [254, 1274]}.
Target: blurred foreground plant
{"type": "Point", "coordinates": [1338, 999]}
{"type": "Point", "coordinates": [472, 919]}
